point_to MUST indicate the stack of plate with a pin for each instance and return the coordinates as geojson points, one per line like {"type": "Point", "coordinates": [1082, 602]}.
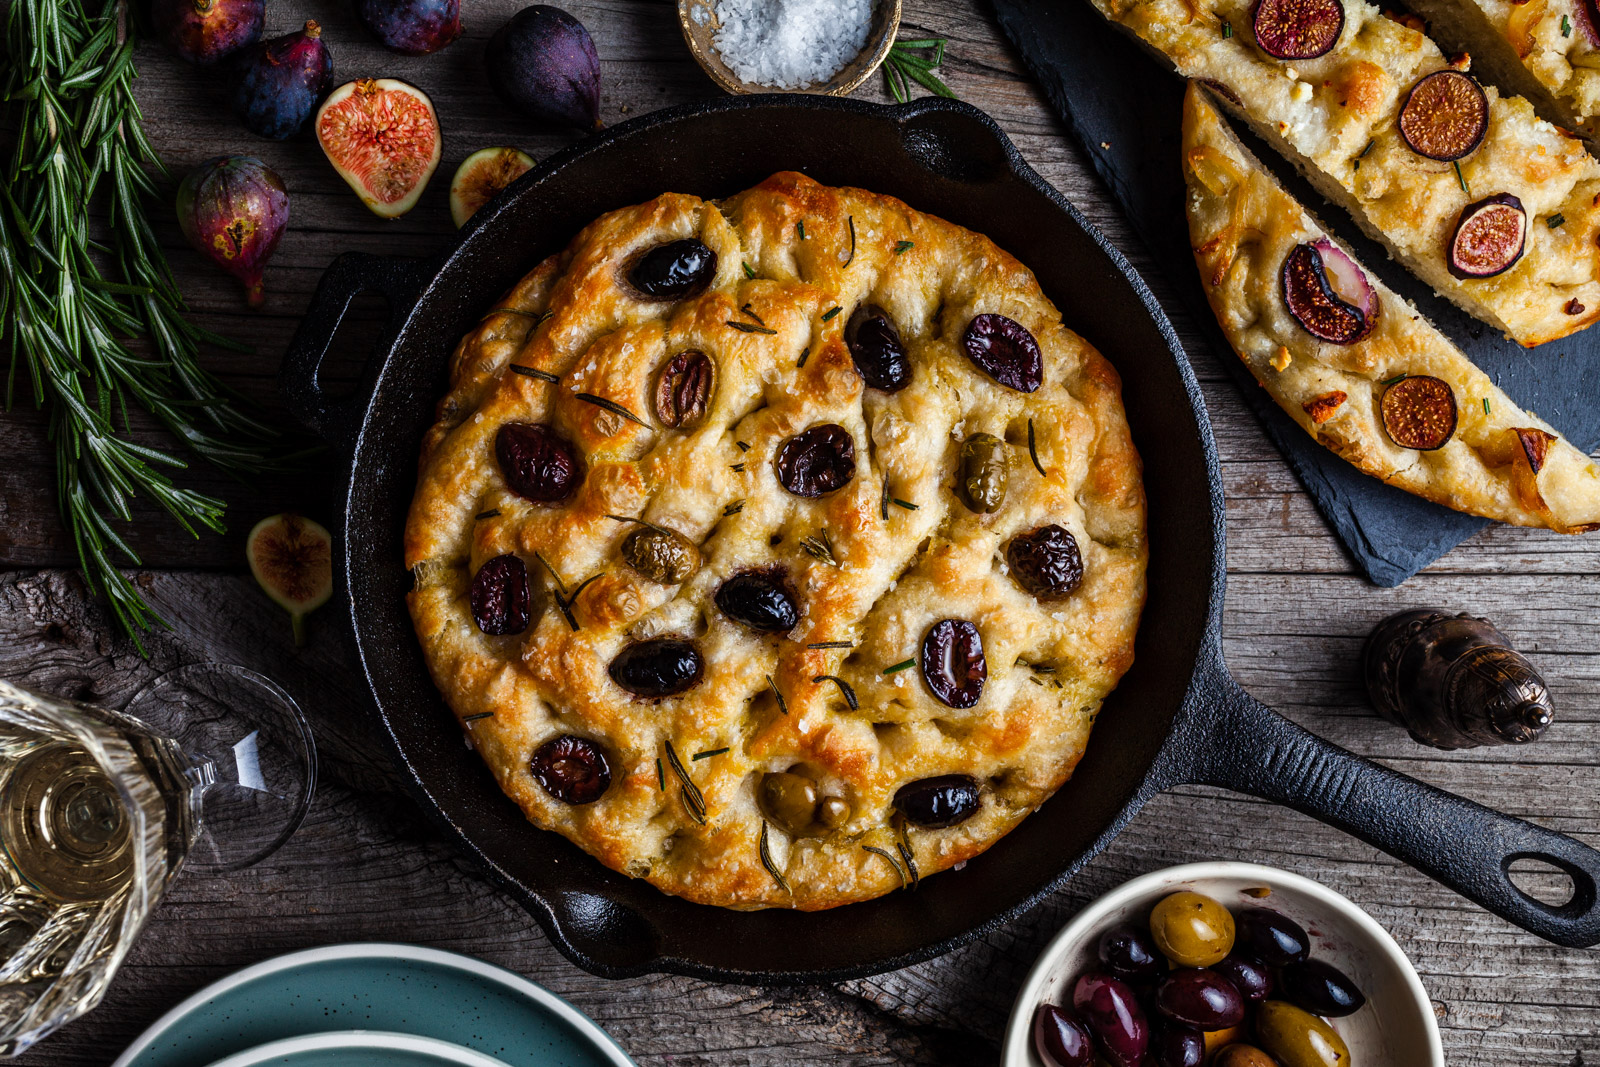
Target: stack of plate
{"type": "Point", "coordinates": [374, 1005]}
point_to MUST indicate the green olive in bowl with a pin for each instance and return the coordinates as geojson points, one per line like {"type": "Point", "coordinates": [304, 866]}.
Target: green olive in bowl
{"type": "Point", "coordinates": [1191, 929]}
{"type": "Point", "coordinates": [1297, 1038]}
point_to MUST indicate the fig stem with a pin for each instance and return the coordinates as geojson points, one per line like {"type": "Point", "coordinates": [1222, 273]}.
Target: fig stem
{"type": "Point", "coordinates": [297, 621]}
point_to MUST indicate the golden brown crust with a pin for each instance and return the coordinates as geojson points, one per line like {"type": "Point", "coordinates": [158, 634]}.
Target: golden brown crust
{"type": "Point", "coordinates": [1502, 462]}
{"type": "Point", "coordinates": [1050, 664]}
{"type": "Point", "coordinates": [1335, 118]}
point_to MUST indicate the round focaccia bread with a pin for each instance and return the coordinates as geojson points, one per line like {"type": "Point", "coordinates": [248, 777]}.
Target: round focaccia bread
{"type": "Point", "coordinates": [747, 763]}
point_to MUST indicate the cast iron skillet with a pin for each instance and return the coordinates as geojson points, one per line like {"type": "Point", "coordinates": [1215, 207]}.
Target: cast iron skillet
{"type": "Point", "coordinates": [1177, 717]}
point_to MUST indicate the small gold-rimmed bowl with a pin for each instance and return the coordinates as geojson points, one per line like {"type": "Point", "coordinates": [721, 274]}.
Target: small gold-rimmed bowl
{"type": "Point", "coordinates": [700, 24]}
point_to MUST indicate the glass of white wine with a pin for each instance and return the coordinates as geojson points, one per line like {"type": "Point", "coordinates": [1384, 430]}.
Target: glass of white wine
{"type": "Point", "coordinates": [211, 768]}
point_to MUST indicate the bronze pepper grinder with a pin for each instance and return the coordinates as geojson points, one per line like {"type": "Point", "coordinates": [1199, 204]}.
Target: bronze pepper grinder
{"type": "Point", "coordinates": [1454, 681]}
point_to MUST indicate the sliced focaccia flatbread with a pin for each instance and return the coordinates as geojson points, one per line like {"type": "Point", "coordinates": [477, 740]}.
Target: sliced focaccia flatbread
{"type": "Point", "coordinates": [1357, 114]}
{"type": "Point", "coordinates": [1355, 365]}
{"type": "Point", "coordinates": [1546, 50]}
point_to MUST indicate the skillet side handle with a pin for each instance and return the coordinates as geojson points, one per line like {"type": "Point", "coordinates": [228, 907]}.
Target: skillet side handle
{"type": "Point", "coordinates": [1464, 845]}
{"type": "Point", "coordinates": [400, 282]}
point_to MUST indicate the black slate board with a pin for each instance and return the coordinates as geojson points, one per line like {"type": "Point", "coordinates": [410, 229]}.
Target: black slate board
{"type": "Point", "coordinates": [1126, 111]}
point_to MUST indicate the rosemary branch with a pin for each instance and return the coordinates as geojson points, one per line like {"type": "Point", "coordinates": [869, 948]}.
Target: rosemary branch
{"type": "Point", "coordinates": [906, 63]}
{"type": "Point", "coordinates": [73, 308]}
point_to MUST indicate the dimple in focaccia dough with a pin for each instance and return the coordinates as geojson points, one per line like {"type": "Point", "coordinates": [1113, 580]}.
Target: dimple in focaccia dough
{"type": "Point", "coordinates": [906, 552]}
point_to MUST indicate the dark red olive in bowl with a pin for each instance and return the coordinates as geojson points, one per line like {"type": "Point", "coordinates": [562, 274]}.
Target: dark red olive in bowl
{"type": "Point", "coordinates": [939, 802]}
{"type": "Point", "coordinates": [1316, 304]}
{"type": "Point", "coordinates": [659, 667]}
{"type": "Point", "coordinates": [953, 664]}
{"type": "Point", "coordinates": [817, 461]}
{"type": "Point", "coordinates": [1321, 989]}
{"type": "Point", "coordinates": [1297, 29]}
{"type": "Point", "coordinates": [1445, 116]}
{"type": "Point", "coordinates": [1061, 1040]}
{"type": "Point", "coordinates": [1199, 998]}
{"type": "Point", "coordinates": [1489, 237]}
{"type": "Point", "coordinates": [877, 350]}
{"type": "Point", "coordinates": [571, 769]}
{"type": "Point", "coordinates": [1271, 937]}
{"type": "Point", "coordinates": [760, 600]}
{"type": "Point", "coordinates": [1176, 1045]}
{"type": "Point", "coordinates": [499, 596]}
{"type": "Point", "coordinates": [674, 271]}
{"type": "Point", "coordinates": [1005, 350]}
{"type": "Point", "coordinates": [1128, 952]}
{"type": "Point", "coordinates": [1111, 1009]}
{"type": "Point", "coordinates": [1253, 980]}
{"type": "Point", "coordinates": [1046, 562]}
{"type": "Point", "coordinates": [538, 463]}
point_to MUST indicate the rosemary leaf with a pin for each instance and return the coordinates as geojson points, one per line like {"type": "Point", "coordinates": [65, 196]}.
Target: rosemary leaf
{"type": "Point", "coordinates": [534, 372]}
{"type": "Point", "coordinates": [707, 755]}
{"type": "Point", "coordinates": [694, 801]}
{"type": "Point", "coordinates": [743, 446]}
{"type": "Point", "coordinates": [733, 508]}
{"type": "Point", "coordinates": [748, 310]}
{"type": "Point", "coordinates": [1391, 381]}
{"type": "Point", "coordinates": [820, 548]}
{"type": "Point", "coordinates": [1486, 405]}
{"type": "Point", "coordinates": [1555, 220]}
{"type": "Point", "coordinates": [832, 644]}
{"type": "Point", "coordinates": [831, 312]}
{"type": "Point", "coordinates": [852, 259]}
{"type": "Point", "coordinates": [903, 665]}
{"type": "Point", "coordinates": [907, 856]}
{"type": "Point", "coordinates": [479, 715]}
{"type": "Point", "coordinates": [749, 271]}
{"type": "Point", "coordinates": [492, 513]}
{"type": "Point", "coordinates": [805, 354]}
{"type": "Point", "coordinates": [875, 850]}
{"type": "Point", "coordinates": [800, 228]}
{"type": "Point", "coordinates": [661, 776]}
{"type": "Point", "coordinates": [1227, 29]}
{"type": "Point", "coordinates": [844, 688]}
{"type": "Point", "coordinates": [908, 505]}
{"type": "Point", "coordinates": [903, 246]}
{"type": "Point", "coordinates": [766, 860]}
{"type": "Point", "coordinates": [1033, 452]}
{"type": "Point", "coordinates": [745, 327]}
{"type": "Point", "coordinates": [738, 467]}
{"type": "Point", "coordinates": [783, 705]}
{"type": "Point", "coordinates": [883, 503]}
{"type": "Point", "coordinates": [1461, 178]}
{"type": "Point", "coordinates": [611, 406]}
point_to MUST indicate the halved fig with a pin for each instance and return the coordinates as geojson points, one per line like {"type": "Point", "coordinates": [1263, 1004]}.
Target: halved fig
{"type": "Point", "coordinates": [1420, 412]}
{"type": "Point", "coordinates": [1535, 446]}
{"type": "Point", "coordinates": [1445, 116]}
{"type": "Point", "coordinates": [1297, 29]}
{"type": "Point", "coordinates": [482, 175]}
{"type": "Point", "coordinates": [382, 136]}
{"type": "Point", "coordinates": [1587, 16]}
{"type": "Point", "coordinates": [292, 559]}
{"type": "Point", "coordinates": [1341, 314]}
{"type": "Point", "coordinates": [1489, 237]}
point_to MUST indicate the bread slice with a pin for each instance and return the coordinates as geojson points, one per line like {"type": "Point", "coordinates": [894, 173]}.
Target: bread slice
{"type": "Point", "coordinates": [1545, 50]}
{"type": "Point", "coordinates": [1335, 117]}
{"type": "Point", "coordinates": [1499, 462]}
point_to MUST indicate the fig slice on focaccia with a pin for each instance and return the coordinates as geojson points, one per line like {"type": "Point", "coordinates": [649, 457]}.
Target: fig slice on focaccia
{"type": "Point", "coordinates": [1406, 139]}
{"type": "Point", "coordinates": [1358, 367]}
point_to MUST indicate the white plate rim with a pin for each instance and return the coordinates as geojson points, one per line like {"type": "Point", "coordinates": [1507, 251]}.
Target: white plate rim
{"type": "Point", "coordinates": [1017, 1038]}
{"type": "Point", "coordinates": [380, 1040]}
{"type": "Point", "coordinates": [380, 950]}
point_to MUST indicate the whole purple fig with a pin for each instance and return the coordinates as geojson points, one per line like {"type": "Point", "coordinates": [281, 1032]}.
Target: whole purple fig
{"type": "Point", "coordinates": [284, 80]}
{"type": "Point", "coordinates": [233, 210]}
{"type": "Point", "coordinates": [414, 27]}
{"type": "Point", "coordinates": [203, 31]}
{"type": "Point", "coordinates": [543, 63]}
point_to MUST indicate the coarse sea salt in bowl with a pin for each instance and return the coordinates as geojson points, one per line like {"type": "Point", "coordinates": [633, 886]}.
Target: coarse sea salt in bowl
{"type": "Point", "coordinates": [827, 47]}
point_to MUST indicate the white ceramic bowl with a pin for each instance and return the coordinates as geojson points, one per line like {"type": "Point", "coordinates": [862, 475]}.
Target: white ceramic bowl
{"type": "Point", "coordinates": [1395, 1028]}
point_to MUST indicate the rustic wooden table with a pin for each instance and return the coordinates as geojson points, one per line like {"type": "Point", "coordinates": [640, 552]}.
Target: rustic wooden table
{"type": "Point", "coordinates": [365, 865]}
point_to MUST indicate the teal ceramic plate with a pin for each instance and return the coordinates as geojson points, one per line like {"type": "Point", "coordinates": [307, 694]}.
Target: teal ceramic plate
{"type": "Point", "coordinates": [389, 987]}
{"type": "Point", "coordinates": [358, 1048]}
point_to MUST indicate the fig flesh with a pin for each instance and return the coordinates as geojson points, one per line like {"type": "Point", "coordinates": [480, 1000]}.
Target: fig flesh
{"type": "Point", "coordinates": [382, 136]}
{"type": "Point", "coordinates": [1311, 298]}
{"type": "Point", "coordinates": [543, 63]}
{"type": "Point", "coordinates": [411, 27]}
{"type": "Point", "coordinates": [1346, 279]}
{"type": "Point", "coordinates": [1297, 29]}
{"type": "Point", "coordinates": [1489, 237]}
{"type": "Point", "coordinates": [1420, 412]}
{"type": "Point", "coordinates": [203, 31]}
{"type": "Point", "coordinates": [233, 209]}
{"type": "Point", "coordinates": [1445, 116]}
{"type": "Point", "coordinates": [292, 559]}
{"type": "Point", "coordinates": [481, 176]}
{"type": "Point", "coordinates": [283, 81]}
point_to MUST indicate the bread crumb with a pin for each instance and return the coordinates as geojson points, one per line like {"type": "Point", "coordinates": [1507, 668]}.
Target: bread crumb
{"type": "Point", "coordinates": [1282, 359]}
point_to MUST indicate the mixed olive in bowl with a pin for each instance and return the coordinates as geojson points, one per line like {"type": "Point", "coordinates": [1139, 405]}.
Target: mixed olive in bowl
{"type": "Point", "coordinates": [1224, 964]}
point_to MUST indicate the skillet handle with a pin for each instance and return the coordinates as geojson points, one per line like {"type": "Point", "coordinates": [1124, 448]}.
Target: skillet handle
{"type": "Point", "coordinates": [400, 281]}
{"type": "Point", "coordinates": [1252, 749]}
